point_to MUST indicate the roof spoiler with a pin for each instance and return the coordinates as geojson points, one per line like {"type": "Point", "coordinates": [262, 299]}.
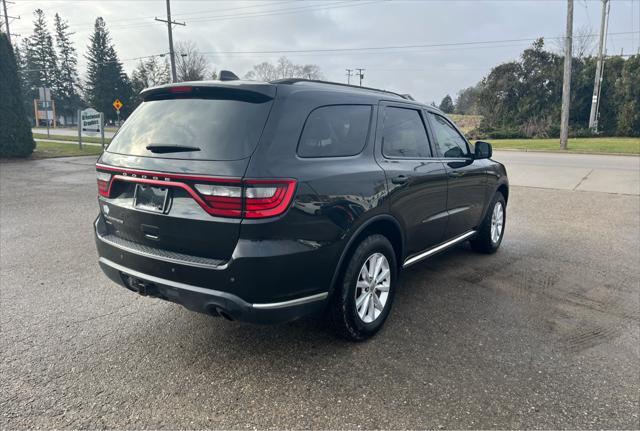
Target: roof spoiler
{"type": "Point", "coordinates": [227, 75]}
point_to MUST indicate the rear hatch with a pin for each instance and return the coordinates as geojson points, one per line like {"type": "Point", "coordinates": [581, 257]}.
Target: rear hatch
{"type": "Point", "coordinates": [171, 179]}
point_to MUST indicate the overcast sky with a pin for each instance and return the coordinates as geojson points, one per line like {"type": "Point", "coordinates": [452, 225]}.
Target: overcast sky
{"type": "Point", "coordinates": [428, 73]}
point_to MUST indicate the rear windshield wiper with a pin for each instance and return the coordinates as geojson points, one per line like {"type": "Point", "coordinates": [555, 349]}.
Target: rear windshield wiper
{"type": "Point", "coordinates": [170, 148]}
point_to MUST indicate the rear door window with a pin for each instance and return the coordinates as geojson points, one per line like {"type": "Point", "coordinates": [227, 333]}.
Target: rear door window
{"type": "Point", "coordinates": [404, 134]}
{"type": "Point", "coordinates": [222, 129]}
{"type": "Point", "coordinates": [335, 131]}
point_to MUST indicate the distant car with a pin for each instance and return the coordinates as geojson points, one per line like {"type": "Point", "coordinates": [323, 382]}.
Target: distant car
{"type": "Point", "coordinates": [266, 202]}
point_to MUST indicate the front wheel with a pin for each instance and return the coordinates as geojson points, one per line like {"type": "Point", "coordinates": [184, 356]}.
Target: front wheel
{"type": "Point", "coordinates": [364, 296]}
{"type": "Point", "coordinates": [491, 231]}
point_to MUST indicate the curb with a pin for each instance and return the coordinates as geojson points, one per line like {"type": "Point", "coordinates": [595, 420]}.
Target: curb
{"type": "Point", "coordinates": [595, 153]}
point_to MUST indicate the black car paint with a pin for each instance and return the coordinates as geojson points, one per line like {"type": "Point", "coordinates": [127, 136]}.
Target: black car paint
{"type": "Point", "coordinates": [301, 252]}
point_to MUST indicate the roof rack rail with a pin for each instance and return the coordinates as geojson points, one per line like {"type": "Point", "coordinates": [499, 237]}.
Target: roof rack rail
{"type": "Point", "coordinates": [318, 81]}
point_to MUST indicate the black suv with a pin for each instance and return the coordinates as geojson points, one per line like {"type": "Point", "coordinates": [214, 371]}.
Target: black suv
{"type": "Point", "coordinates": [265, 202]}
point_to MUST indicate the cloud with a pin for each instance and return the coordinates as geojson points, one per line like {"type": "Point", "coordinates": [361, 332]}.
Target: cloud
{"type": "Point", "coordinates": [426, 73]}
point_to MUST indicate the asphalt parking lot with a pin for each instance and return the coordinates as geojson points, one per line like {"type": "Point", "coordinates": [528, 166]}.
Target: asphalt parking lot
{"type": "Point", "coordinates": [543, 334]}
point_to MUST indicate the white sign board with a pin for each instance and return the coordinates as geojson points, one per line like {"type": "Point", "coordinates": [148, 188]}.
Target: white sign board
{"type": "Point", "coordinates": [90, 121]}
{"type": "Point", "coordinates": [44, 93]}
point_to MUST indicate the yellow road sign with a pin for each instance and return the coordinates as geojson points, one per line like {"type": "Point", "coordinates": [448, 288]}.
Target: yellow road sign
{"type": "Point", "coordinates": [117, 104]}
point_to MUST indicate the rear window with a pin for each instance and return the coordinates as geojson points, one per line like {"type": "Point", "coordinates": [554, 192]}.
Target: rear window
{"type": "Point", "coordinates": [223, 129]}
{"type": "Point", "coordinates": [335, 131]}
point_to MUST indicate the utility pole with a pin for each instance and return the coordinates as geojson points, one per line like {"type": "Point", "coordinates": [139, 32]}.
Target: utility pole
{"type": "Point", "coordinates": [566, 79]}
{"type": "Point", "coordinates": [7, 18]}
{"type": "Point", "coordinates": [349, 74]}
{"type": "Point", "coordinates": [360, 75]}
{"type": "Point", "coordinates": [597, 84]}
{"type": "Point", "coordinates": [172, 54]}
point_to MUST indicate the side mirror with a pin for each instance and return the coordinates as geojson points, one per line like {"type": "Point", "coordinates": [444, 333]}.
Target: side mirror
{"type": "Point", "coordinates": [483, 150]}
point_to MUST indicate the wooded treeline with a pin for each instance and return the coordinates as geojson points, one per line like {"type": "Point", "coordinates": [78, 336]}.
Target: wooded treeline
{"type": "Point", "coordinates": [522, 99]}
{"type": "Point", "coordinates": [46, 59]}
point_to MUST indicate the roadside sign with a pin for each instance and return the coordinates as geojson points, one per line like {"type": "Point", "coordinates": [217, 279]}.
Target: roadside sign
{"type": "Point", "coordinates": [90, 121]}
{"type": "Point", "coordinates": [44, 93]}
{"type": "Point", "coordinates": [117, 104]}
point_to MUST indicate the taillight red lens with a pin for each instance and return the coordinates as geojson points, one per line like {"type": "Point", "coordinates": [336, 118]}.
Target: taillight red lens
{"type": "Point", "coordinates": [103, 182]}
{"type": "Point", "coordinates": [224, 200]}
{"type": "Point", "coordinates": [262, 198]}
{"type": "Point", "coordinates": [267, 198]}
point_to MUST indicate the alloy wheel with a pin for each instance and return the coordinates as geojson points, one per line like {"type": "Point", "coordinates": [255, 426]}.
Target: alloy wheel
{"type": "Point", "coordinates": [497, 222]}
{"type": "Point", "coordinates": [372, 287]}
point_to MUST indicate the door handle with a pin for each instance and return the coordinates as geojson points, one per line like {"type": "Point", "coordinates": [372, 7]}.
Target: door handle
{"type": "Point", "coordinates": [400, 179]}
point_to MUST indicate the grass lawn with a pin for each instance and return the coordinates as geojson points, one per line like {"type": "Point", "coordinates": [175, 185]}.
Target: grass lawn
{"type": "Point", "coordinates": [585, 145]}
{"type": "Point", "coordinates": [71, 138]}
{"type": "Point", "coordinates": [45, 150]}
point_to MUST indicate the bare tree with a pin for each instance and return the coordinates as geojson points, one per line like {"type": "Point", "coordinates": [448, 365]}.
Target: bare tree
{"type": "Point", "coordinates": [264, 71]}
{"type": "Point", "coordinates": [583, 44]}
{"type": "Point", "coordinates": [283, 69]}
{"type": "Point", "coordinates": [191, 65]}
{"type": "Point", "coordinates": [151, 72]}
{"type": "Point", "coordinates": [309, 71]}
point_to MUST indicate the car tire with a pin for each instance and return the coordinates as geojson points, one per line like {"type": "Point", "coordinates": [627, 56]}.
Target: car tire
{"type": "Point", "coordinates": [491, 231]}
{"type": "Point", "coordinates": [355, 313]}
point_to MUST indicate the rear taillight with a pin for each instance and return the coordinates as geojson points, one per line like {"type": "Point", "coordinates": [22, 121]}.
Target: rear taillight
{"type": "Point", "coordinates": [224, 200]}
{"type": "Point", "coordinates": [266, 198]}
{"type": "Point", "coordinates": [262, 198]}
{"type": "Point", "coordinates": [222, 197]}
{"type": "Point", "coordinates": [103, 182]}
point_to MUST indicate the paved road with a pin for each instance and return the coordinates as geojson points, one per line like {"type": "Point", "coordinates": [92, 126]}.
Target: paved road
{"type": "Point", "coordinates": [543, 334]}
{"type": "Point", "coordinates": [583, 172]}
{"type": "Point", "coordinates": [67, 132]}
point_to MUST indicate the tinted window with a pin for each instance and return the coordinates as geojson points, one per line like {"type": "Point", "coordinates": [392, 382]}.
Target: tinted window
{"type": "Point", "coordinates": [222, 129]}
{"type": "Point", "coordinates": [403, 134]}
{"type": "Point", "coordinates": [450, 142]}
{"type": "Point", "coordinates": [333, 131]}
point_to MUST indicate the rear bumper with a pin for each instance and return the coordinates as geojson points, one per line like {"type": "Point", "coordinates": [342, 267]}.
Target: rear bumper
{"type": "Point", "coordinates": [239, 289]}
{"type": "Point", "coordinates": [211, 301]}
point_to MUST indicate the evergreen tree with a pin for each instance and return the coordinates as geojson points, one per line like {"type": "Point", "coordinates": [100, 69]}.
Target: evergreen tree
{"type": "Point", "coordinates": [446, 105]}
{"type": "Point", "coordinates": [628, 95]}
{"type": "Point", "coordinates": [68, 99]}
{"type": "Point", "coordinates": [41, 61]}
{"type": "Point", "coordinates": [24, 87]}
{"type": "Point", "coordinates": [16, 139]}
{"type": "Point", "coordinates": [106, 79]}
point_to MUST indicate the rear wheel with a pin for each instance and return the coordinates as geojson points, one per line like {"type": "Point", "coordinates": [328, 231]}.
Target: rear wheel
{"type": "Point", "coordinates": [365, 293]}
{"type": "Point", "coordinates": [489, 236]}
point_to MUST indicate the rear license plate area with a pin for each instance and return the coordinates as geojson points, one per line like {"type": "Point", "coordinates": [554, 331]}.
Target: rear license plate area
{"type": "Point", "coordinates": [149, 198]}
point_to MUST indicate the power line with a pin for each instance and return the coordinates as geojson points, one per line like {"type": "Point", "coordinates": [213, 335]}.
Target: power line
{"type": "Point", "coordinates": [285, 11]}
{"type": "Point", "coordinates": [393, 47]}
{"type": "Point", "coordinates": [258, 14]}
{"type": "Point", "coordinates": [140, 18]}
{"type": "Point", "coordinates": [106, 62]}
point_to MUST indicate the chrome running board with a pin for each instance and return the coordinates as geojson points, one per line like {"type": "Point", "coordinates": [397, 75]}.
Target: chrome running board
{"type": "Point", "coordinates": [417, 258]}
